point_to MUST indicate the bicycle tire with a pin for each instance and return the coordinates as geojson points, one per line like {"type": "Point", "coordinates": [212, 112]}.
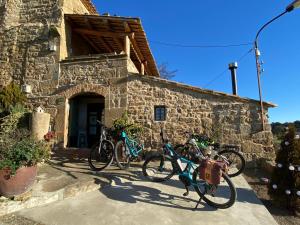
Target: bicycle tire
{"type": "Point", "coordinates": [159, 162]}
{"type": "Point", "coordinates": [225, 205]}
{"type": "Point", "coordinates": [106, 154]}
{"type": "Point", "coordinates": [240, 158]}
{"type": "Point", "coordinates": [120, 152]}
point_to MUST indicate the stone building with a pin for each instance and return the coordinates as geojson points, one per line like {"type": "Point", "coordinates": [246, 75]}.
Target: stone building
{"type": "Point", "coordinates": [82, 66]}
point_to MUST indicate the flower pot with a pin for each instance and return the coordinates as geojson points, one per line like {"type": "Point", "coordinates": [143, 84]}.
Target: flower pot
{"type": "Point", "coordinates": [22, 181]}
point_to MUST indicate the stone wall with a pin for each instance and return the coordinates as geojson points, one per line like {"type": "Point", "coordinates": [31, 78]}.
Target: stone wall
{"type": "Point", "coordinates": [25, 53]}
{"type": "Point", "coordinates": [104, 75]}
{"type": "Point", "coordinates": [229, 119]}
{"type": "Point", "coordinates": [26, 29]}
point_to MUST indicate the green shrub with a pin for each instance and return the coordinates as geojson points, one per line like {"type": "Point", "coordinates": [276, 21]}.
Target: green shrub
{"type": "Point", "coordinates": [10, 96]}
{"type": "Point", "coordinates": [285, 181]}
{"type": "Point", "coordinates": [26, 152]}
{"type": "Point", "coordinates": [132, 130]}
{"type": "Point", "coordinates": [17, 148]}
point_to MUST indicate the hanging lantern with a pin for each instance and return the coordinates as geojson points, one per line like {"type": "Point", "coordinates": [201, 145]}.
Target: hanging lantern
{"type": "Point", "coordinates": [53, 38]}
{"type": "Point", "coordinates": [298, 193]}
{"type": "Point", "coordinates": [286, 143]}
{"type": "Point", "coordinates": [279, 165]}
{"type": "Point", "coordinates": [274, 186]}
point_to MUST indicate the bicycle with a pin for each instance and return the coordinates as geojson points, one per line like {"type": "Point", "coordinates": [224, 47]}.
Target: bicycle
{"type": "Point", "coordinates": [101, 154]}
{"type": "Point", "coordinates": [169, 163]}
{"type": "Point", "coordinates": [127, 149]}
{"type": "Point", "coordinates": [201, 146]}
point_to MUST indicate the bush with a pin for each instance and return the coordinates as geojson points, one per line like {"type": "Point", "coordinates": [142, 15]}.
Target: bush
{"type": "Point", "coordinates": [17, 148]}
{"type": "Point", "coordinates": [285, 182]}
{"type": "Point", "coordinates": [10, 96]}
{"type": "Point", "coordinates": [26, 152]}
{"type": "Point", "coordinates": [132, 130]}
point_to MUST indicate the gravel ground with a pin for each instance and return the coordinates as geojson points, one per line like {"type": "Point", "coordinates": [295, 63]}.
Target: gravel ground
{"type": "Point", "coordinates": [281, 215]}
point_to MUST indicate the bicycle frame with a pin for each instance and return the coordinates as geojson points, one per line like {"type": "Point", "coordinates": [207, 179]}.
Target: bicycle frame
{"type": "Point", "coordinates": [131, 144]}
{"type": "Point", "coordinates": [177, 161]}
{"type": "Point", "coordinates": [103, 136]}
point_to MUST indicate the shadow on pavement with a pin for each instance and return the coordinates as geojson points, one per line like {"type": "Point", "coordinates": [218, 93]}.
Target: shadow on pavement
{"type": "Point", "coordinates": [127, 191]}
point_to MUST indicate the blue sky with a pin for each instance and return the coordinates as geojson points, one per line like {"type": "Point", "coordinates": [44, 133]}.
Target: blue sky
{"type": "Point", "coordinates": [224, 22]}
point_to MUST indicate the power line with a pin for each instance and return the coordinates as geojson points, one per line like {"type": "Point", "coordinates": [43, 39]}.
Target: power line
{"type": "Point", "coordinates": [200, 46]}
{"type": "Point", "coordinates": [223, 72]}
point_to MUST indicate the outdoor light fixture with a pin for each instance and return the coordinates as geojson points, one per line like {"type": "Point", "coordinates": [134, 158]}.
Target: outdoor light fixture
{"type": "Point", "coordinates": [289, 8]}
{"type": "Point", "coordinates": [53, 38]}
{"type": "Point", "coordinates": [293, 5]}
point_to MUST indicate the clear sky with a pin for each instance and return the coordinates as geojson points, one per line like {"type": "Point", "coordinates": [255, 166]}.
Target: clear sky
{"type": "Point", "coordinates": [224, 22]}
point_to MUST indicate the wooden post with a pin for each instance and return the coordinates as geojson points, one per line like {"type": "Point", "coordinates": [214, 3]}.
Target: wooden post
{"type": "Point", "coordinates": [142, 69]}
{"type": "Point", "coordinates": [127, 45]}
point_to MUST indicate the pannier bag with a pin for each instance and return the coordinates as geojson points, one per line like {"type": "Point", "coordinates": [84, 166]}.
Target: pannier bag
{"type": "Point", "coordinates": [211, 171]}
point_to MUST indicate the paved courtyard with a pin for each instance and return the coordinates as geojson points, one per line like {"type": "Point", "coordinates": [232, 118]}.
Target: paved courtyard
{"type": "Point", "coordinates": [127, 198]}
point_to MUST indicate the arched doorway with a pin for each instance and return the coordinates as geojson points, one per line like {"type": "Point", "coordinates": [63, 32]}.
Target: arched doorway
{"type": "Point", "coordinates": [84, 111]}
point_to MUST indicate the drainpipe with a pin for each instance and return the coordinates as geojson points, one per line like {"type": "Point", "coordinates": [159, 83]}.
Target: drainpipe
{"type": "Point", "coordinates": [233, 67]}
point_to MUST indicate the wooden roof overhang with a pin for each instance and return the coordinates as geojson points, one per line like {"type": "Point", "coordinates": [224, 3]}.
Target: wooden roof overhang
{"type": "Point", "coordinates": [106, 34]}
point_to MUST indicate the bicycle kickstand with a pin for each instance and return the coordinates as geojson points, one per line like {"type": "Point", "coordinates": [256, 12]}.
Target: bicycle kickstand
{"type": "Point", "coordinates": [200, 199]}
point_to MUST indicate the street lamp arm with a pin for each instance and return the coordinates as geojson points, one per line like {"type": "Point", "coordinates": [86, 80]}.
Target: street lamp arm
{"type": "Point", "coordinates": [264, 26]}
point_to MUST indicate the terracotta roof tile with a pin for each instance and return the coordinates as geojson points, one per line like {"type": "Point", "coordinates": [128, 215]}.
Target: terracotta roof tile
{"type": "Point", "coordinates": [90, 6]}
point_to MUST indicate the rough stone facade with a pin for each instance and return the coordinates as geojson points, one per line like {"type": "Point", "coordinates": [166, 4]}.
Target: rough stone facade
{"type": "Point", "coordinates": [229, 119]}
{"type": "Point", "coordinates": [27, 30]}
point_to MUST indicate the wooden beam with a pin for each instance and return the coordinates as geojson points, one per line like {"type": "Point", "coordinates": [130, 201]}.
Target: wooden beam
{"type": "Point", "coordinates": [106, 46]}
{"type": "Point", "coordinates": [136, 54]}
{"type": "Point", "coordinates": [87, 22]}
{"type": "Point", "coordinates": [127, 27]}
{"type": "Point", "coordinates": [91, 43]}
{"type": "Point", "coordinates": [102, 33]}
{"type": "Point", "coordinates": [136, 48]}
{"type": "Point", "coordinates": [118, 42]}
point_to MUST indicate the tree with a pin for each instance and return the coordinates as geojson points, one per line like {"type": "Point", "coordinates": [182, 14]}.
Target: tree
{"type": "Point", "coordinates": [165, 73]}
{"type": "Point", "coordinates": [285, 181]}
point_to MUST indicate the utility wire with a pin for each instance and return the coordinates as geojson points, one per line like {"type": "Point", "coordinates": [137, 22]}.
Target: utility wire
{"type": "Point", "coordinates": [223, 72]}
{"type": "Point", "coordinates": [199, 46]}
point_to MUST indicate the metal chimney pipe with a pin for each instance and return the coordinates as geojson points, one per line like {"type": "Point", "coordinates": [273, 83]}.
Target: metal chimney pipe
{"type": "Point", "coordinates": [232, 67]}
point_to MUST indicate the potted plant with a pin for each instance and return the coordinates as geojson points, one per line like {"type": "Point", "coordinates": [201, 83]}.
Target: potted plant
{"type": "Point", "coordinates": [19, 154]}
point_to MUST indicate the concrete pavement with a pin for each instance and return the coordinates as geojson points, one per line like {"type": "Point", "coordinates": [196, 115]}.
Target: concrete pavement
{"type": "Point", "coordinates": [126, 198]}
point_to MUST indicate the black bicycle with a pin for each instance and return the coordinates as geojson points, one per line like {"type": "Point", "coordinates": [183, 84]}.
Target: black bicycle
{"type": "Point", "coordinates": [202, 146]}
{"type": "Point", "coordinates": [102, 153]}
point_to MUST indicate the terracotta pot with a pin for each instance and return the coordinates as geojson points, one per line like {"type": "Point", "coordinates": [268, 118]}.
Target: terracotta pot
{"type": "Point", "coordinates": [22, 181]}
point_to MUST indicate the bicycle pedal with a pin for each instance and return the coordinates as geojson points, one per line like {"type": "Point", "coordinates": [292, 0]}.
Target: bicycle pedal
{"type": "Point", "coordinates": [187, 191]}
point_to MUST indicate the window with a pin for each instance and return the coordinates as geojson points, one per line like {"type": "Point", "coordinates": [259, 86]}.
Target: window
{"type": "Point", "coordinates": [160, 113]}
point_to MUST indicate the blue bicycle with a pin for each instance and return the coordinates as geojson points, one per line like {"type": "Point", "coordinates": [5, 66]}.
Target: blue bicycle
{"type": "Point", "coordinates": [127, 149]}
{"type": "Point", "coordinates": [161, 167]}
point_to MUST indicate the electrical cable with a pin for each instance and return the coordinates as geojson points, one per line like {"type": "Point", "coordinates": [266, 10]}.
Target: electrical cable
{"type": "Point", "coordinates": [223, 72]}
{"type": "Point", "coordinates": [199, 46]}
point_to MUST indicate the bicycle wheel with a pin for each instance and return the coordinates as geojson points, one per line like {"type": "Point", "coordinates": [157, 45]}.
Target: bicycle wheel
{"type": "Point", "coordinates": [220, 196]}
{"type": "Point", "coordinates": [158, 168]}
{"type": "Point", "coordinates": [122, 155]}
{"type": "Point", "coordinates": [100, 158]}
{"type": "Point", "coordinates": [235, 160]}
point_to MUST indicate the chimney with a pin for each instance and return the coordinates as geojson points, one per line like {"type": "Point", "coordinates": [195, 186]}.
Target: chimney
{"type": "Point", "coordinates": [232, 67]}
